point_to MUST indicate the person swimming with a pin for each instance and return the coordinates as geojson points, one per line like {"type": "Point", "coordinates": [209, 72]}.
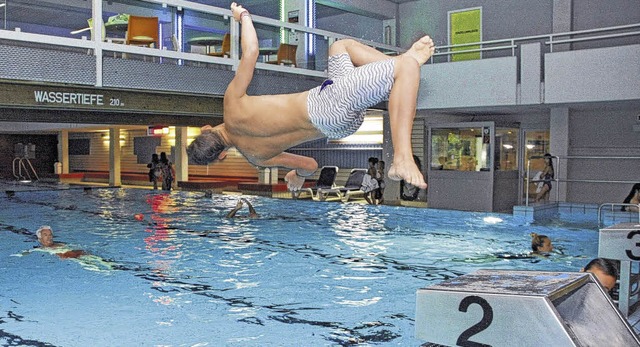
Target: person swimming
{"type": "Point", "coordinates": [45, 238]}
{"type": "Point", "coordinates": [540, 246]}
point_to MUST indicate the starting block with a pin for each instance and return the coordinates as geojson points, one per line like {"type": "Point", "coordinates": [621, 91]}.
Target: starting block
{"type": "Point", "coordinates": [622, 242]}
{"type": "Point", "coordinates": [521, 308]}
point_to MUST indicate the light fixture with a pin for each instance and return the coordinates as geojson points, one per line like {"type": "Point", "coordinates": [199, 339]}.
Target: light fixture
{"type": "Point", "coordinates": [530, 146]}
{"type": "Point", "coordinates": [507, 146]}
{"type": "Point", "coordinates": [370, 132]}
{"type": "Point", "coordinates": [157, 130]}
{"type": "Point", "coordinates": [2, 5]}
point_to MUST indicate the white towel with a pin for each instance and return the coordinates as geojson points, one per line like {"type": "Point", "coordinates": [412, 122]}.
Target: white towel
{"type": "Point", "coordinates": [369, 184]}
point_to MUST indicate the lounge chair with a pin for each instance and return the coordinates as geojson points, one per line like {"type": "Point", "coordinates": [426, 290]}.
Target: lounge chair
{"type": "Point", "coordinates": [351, 188]}
{"type": "Point", "coordinates": [326, 180]}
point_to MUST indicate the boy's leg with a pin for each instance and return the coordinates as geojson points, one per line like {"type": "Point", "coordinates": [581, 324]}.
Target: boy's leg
{"type": "Point", "coordinates": [359, 53]}
{"type": "Point", "coordinates": [402, 100]}
{"type": "Point", "coordinates": [402, 110]}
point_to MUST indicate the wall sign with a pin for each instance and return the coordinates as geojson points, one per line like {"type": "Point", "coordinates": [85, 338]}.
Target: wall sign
{"type": "Point", "coordinates": [74, 98]}
{"type": "Point", "coordinates": [620, 242]}
{"type": "Point", "coordinates": [104, 99]}
{"type": "Point", "coordinates": [465, 26]}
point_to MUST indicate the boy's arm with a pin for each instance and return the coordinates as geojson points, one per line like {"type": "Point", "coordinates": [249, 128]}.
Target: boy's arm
{"type": "Point", "coordinates": [250, 51]}
{"type": "Point", "coordinates": [302, 167]}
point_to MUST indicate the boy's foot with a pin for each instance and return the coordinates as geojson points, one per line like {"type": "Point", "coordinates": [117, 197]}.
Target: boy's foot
{"type": "Point", "coordinates": [407, 171]}
{"type": "Point", "coordinates": [422, 50]}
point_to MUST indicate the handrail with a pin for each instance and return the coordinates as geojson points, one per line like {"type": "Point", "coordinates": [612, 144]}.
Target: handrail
{"type": "Point", "coordinates": [612, 204]}
{"type": "Point", "coordinates": [444, 50]}
{"type": "Point", "coordinates": [13, 165]}
{"type": "Point", "coordinates": [32, 169]}
{"type": "Point", "coordinates": [269, 21]}
{"type": "Point", "coordinates": [566, 180]}
{"type": "Point", "coordinates": [599, 37]}
{"type": "Point", "coordinates": [549, 37]}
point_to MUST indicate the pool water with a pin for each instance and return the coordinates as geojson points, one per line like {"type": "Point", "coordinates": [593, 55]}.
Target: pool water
{"type": "Point", "coordinates": [305, 274]}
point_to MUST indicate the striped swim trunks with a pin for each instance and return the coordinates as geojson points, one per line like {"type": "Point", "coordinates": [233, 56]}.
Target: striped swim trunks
{"type": "Point", "coordinates": [337, 107]}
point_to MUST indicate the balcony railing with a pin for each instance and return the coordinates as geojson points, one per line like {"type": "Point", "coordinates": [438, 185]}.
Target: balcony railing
{"type": "Point", "coordinates": [187, 32]}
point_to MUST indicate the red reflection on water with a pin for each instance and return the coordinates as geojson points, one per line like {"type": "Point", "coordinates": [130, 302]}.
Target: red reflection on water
{"type": "Point", "coordinates": [159, 228]}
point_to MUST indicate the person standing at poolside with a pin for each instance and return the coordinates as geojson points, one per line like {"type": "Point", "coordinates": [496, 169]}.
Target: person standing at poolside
{"type": "Point", "coordinates": [262, 127]}
{"type": "Point", "coordinates": [168, 171]}
{"type": "Point", "coordinates": [154, 170]}
{"type": "Point", "coordinates": [547, 176]}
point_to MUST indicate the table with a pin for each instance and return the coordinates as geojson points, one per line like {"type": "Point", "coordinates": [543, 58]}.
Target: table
{"type": "Point", "coordinates": [118, 27]}
{"type": "Point", "coordinates": [207, 41]}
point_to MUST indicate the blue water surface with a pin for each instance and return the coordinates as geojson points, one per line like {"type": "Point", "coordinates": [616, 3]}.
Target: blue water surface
{"type": "Point", "coordinates": [305, 274]}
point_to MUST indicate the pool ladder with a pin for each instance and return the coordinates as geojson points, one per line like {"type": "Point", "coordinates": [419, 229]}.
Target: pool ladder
{"type": "Point", "coordinates": [21, 171]}
{"type": "Point", "coordinates": [615, 204]}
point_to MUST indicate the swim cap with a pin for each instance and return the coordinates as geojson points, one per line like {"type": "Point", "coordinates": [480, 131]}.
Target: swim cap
{"type": "Point", "coordinates": [138, 216]}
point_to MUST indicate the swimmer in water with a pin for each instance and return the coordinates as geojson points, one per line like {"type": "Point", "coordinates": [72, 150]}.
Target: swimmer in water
{"type": "Point", "coordinates": [605, 270]}
{"type": "Point", "coordinates": [252, 211]}
{"type": "Point", "coordinates": [45, 237]}
{"type": "Point", "coordinates": [541, 244]}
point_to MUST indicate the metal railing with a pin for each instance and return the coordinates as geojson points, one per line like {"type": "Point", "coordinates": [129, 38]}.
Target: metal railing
{"type": "Point", "coordinates": [615, 204]}
{"type": "Point", "coordinates": [557, 167]}
{"type": "Point", "coordinates": [17, 169]}
{"type": "Point", "coordinates": [549, 39]}
{"type": "Point", "coordinates": [98, 46]}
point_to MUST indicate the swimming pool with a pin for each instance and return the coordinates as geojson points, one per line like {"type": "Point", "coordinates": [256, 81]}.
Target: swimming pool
{"type": "Point", "coordinates": [305, 274]}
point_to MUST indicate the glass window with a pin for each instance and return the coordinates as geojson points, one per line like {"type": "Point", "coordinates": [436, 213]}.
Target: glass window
{"type": "Point", "coordinates": [506, 149]}
{"type": "Point", "coordinates": [460, 149]}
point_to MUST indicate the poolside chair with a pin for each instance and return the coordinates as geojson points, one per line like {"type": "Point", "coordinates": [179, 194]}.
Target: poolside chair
{"type": "Point", "coordinates": [326, 180]}
{"type": "Point", "coordinates": [143, 31]}
{"type": "Point", "coordinates": [226, 48]}
{"type": "Point", "coordinates": [350, 189]}
{"type": "Point", "coordinates": [286, 55]}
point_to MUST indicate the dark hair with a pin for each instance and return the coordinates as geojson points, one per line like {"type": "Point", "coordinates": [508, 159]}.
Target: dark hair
{"type": "Point", "coordinates": [627, 200]}
{"type": "Point", "coordinates": [163, 157]}
{"type": "Point", "coordinates": [206, 147]}
{"type": "Point", "coordinates": [154, 158]}
{"type": "Point", "coordinates": [608, 266]}
{"type": "Point", "coordinates": [373, 160]}
{"type": "Point", "coordinates": [548, 156]}
{"type": "Point", "coordinates": [537, 241]}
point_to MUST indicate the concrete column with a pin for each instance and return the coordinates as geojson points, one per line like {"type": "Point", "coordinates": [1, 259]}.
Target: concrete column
{"type": "Point", "coordinates": [559, 145]}
{"type": "Point", "coordinates": [562, 21]}
{"type": "Point", "coordinates": [114, 157]}
{"type": "Point", "coordinates": [265, 175]}
{"type": "Point", "coordinates": [63, 150]}
{"type": "Point", "coordinates": [181, 159]}
{"type": "Point", "coordinates": [530, 67]}
{"type": "Point", "coordinates": [392, 188]}
{"type": "Point", "coordinates": [297, 38]}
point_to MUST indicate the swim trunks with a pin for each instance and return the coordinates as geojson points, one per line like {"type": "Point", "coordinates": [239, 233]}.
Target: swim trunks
{"type": "Point", "coordinates": [337, 107]}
